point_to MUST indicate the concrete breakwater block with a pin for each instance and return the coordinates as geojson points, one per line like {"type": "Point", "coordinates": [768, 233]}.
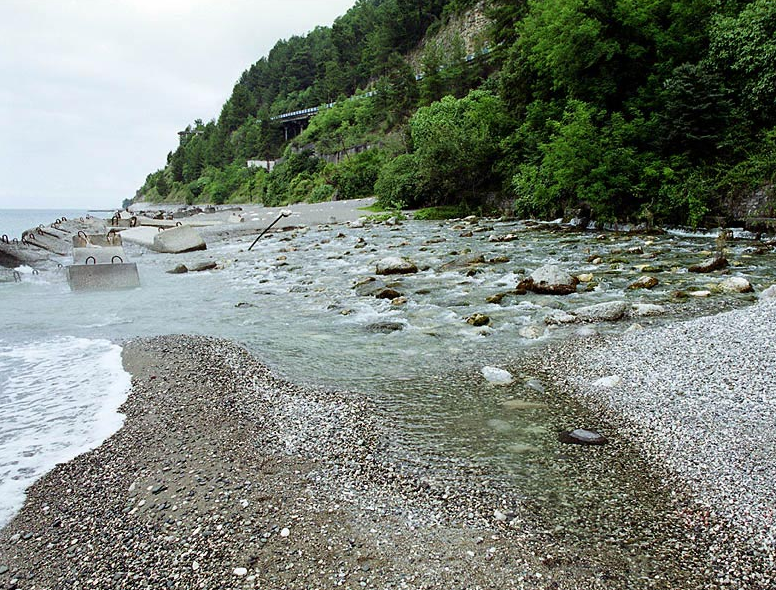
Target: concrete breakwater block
{"type": "Point", "coordinates": [108, 255]}
{"type": "Point", "coordinates": [102, 277]}
{"type": "Point", "coordinates": [179, 239]}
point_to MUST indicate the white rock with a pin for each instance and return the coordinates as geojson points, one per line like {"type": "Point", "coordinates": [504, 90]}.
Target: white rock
{"type": "Point", "coordinates": [735, 285]}
{"type": "Point", "coordinates": [634, 328]}
{"type": "Point", "coordinates": [195, 566]}
{"type": "Point", "coordinates": [240, 572]}
{"type": "Point", "coordinates": [607, 382]}
{"type": "Point", "coordinates": [703, 293]}
{"type": "Point", "coordinates": [496, 376]}
{"type": "Point", "coordinates": [285, 532]}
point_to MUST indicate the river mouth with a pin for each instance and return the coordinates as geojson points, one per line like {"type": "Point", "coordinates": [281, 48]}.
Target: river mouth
{"type": "Point", "coordinates": [294, 302]}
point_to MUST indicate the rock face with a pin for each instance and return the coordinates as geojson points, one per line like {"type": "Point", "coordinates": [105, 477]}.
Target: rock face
{"type": "Point", "coordinates": [549, 280]}
{"type": "Point", "coordinates": [735, 285]}
{"type": "Point", "coordinates": [582, 436]}
{"type": "Point", "coordinates": [393, 265]}
{"type": "Point", "coordinates": [609, 311]}
{"type": "Point", "coordinates": [710, 265]}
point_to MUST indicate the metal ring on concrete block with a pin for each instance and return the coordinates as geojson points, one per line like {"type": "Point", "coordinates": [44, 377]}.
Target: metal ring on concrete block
{"type": "Point", "coordinates": [92, 258]}
{"type": "Point", "coordinates": [133, 221]}
{"type": "Point", "coordinates": [113, 260]}
{"type": "Point", "coordinates": [4, 239]}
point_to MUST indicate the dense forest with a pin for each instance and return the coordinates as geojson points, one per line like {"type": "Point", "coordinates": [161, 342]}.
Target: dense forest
{"type": "Point", "coordinates": [648, 110]}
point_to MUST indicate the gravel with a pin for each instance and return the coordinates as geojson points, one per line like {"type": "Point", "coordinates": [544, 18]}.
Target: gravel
{"type": "Point", "coordinates": [224, 476]}
{"type": "Point", "coordinates": [698, 398]}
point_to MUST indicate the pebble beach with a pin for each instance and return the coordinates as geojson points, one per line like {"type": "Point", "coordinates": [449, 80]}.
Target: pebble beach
{"type": "Point", "coordinates": [227, 475]}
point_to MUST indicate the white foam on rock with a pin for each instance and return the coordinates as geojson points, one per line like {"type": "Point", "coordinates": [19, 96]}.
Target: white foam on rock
{"type": "Point", "coordinates": [58, 399]}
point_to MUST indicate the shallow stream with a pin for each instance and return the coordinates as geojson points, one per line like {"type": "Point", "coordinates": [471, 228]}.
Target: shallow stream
{"type": "Point", "coordinates": [292, 302]}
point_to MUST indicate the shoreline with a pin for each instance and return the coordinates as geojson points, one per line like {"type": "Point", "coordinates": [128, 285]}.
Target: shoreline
{"type": "Point", "coordinates": [225, 474]}
{"type": "Point", "coordinates": [694, 397]}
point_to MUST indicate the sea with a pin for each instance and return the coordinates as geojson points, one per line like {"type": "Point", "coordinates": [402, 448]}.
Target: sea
{"type": "Point", "coordinates": [295, 302]}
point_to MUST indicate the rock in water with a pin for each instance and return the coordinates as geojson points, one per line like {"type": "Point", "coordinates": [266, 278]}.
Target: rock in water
{"type": "Point", "coordinates": [496, 376]}
{"type": "Point", "coordinates": [549, 280]}
{"type": "Point", "coordinates": [736, 285]}
{"type": "Point", "coordinates": [710, 265]}
{"type": "Point", "coordinates": [478, 319]}
{"type": "Point", "coordinates": [393, 265]}
{"type": "Point", "coordinates": [644, 283]}
{"type": "Point", "coordinates": [609, 311]}
{"type": "Point", "coordinates": [582, 436]}
{"type": "Point", "coordinates": [178, 270]}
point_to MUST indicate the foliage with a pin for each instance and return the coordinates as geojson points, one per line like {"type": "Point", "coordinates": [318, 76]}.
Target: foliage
{"type": "Point", "coordinates": [355, 177]}
{"type": "Point", "coordinates": [649, 110]}
{"type": "Point", "coordinates": [398, 184]}
{"type": "Point", "coordinates": [440, 213]}
{"type": "Point", "coordinates": [455, 141]}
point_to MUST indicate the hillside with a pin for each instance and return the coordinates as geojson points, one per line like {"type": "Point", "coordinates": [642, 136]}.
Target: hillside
{"type": "Point", "coordinates": [656, 111]}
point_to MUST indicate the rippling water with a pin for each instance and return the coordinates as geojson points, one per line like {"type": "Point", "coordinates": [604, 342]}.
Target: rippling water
{"type": "Point", "coordinates": [291, 302]}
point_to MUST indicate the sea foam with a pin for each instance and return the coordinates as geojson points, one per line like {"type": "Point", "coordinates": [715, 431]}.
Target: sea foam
{"type": "Point", "coordinates": [58, 399]}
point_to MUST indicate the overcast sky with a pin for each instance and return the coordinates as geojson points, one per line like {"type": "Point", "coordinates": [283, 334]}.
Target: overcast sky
{"type": "Point", "coordinates": [93, 92]}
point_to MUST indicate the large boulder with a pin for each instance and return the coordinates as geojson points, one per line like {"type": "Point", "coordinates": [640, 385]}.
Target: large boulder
{"type": "Point", "coordinates": [549, 280]}
{"type": "Point", "coordinates": [609, 311]}
{"type": "Point", "coordinates": [393, 265]}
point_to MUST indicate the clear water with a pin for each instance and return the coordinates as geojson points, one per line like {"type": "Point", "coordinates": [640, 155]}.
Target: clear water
{"type": "Point", "coordinates": [291, 302]}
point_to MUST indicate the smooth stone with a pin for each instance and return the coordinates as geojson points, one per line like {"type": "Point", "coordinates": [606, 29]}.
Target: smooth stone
{"type": "Point", "coordinates": [240, 572]}
{"type": "Point", "coordinates": [735, 285]}
{"type": "Point", "coordinates": [202, 266]}
{"type": "Point", "coordinates": [558, 316]}
{"type": "Point", "coordinates": [3, 569]}
{"type": "Point", "coordinates": [702, 293]}
{"type": "Point", "coordinates": [496, 376]}
{"type": "Point", "coordinates": [393, 265]}
{"type": "Point", "coordinates": [549, 280]}
{"type": "Point", "coordinates": [585, 277]}
{"type": "Point", "coordinates": [609, 311]}
{"type": "Point", "coordinates": [582, 436]}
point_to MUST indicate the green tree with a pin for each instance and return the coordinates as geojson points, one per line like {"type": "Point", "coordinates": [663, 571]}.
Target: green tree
{"type": "Point", "coordinates": [456, 142]}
